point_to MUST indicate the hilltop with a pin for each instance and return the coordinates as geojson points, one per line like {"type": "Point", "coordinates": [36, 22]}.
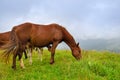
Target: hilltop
{"type": "Point", "coordinates": [95, 65]}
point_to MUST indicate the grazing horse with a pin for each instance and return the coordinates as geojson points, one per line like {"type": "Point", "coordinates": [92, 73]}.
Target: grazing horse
{"type": "Point", "coordinates": [39, 36]}
{"type": "Point", "coordinates": [4, 38]}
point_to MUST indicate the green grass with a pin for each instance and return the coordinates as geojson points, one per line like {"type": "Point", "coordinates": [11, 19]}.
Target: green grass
{"type": "Point", "coordinates": [94, 65]}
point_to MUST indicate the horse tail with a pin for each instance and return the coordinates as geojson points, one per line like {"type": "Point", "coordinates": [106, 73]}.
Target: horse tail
{"type": "Point", "coordinates": [11, 47]}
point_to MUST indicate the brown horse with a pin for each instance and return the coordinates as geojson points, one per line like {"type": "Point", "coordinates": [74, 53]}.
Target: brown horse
{"type": "Point", "coordinates": [5, 37]}
{"type": "Point", "coordinates": [39, 36]}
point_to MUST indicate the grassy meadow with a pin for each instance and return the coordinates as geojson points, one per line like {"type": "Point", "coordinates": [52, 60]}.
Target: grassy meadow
{"type": "Point", "coordinates": [94, 65]}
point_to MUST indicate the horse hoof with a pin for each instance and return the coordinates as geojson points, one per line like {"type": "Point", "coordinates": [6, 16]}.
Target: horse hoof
{"type": "Point", "coordinates": [26, 57]}
{"type": "Point", "coordinates": [52, 62]}
{"type": "Point", "coordinates": [22, 67]}
{"type": "Point", "coordinates": [13, 67]}
{"type": "Point", "coordinates": [30, 63]}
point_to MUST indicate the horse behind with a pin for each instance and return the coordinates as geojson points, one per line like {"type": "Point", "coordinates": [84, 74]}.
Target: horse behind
{"type": "Point", "coordinates": [4, 39]}
{"type": "Point", "coordinates": [40, 36]}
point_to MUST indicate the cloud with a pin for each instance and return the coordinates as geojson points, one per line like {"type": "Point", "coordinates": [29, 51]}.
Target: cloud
{"type": "Point", "coordinates": [83, 18]}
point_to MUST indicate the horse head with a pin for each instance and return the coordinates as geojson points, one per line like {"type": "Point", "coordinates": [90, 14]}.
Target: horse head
{"type": "Point", "coordinates": [76, 52]}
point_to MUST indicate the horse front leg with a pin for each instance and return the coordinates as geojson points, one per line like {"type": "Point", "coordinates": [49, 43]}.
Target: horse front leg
{"type": "Point", "coordinates": [30, 55]}
{"type": "Point", "coordinates": [25, 54]}
{"type": "Point", "coordinates": [21, 61]}
{"type": "Point", "coordinates": [40, 53]}
{"type": "Point", "coordinates": [53, 52]}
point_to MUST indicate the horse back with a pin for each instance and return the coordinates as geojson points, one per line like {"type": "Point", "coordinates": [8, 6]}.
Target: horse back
{"type": "Point", "coordinates": [5, 36]}
{"type": "Point", "coordinates": [43, 35]}
{"type": "Point", "coordinates": [38, 35]}
{"type": "Point", "coordinates": [22, 31]}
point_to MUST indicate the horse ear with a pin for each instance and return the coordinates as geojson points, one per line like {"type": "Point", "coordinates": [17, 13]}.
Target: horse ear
{"type": "Point", "coordinates": [78, 44]}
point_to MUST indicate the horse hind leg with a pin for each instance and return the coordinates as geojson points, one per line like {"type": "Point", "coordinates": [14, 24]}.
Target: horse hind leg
{"type": "Point", "coordinates": [14, 61]}
{"type": "Point", "coordinates": [22, 63]}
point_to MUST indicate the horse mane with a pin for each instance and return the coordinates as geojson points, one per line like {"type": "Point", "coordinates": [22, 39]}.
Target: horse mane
{"type": "Point", "coordinates": [68, 38]}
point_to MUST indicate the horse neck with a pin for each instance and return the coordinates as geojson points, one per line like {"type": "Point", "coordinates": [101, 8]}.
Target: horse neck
{"type": "Point", "coordinates": [71, 43]}
{"type": "Point", "coordinates": [69, 40]}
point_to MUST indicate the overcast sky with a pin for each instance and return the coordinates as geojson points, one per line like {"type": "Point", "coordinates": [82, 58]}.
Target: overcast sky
{"type": "Point", "coordinates": [84, 19]}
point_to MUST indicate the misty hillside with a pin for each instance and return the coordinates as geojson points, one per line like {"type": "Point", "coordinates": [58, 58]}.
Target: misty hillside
{"type": "Point", "coordinates": [101, 44]}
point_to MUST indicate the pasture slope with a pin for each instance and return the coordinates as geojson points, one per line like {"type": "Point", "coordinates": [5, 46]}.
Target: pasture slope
{"type": "Point", "coordinates": [95, 65]}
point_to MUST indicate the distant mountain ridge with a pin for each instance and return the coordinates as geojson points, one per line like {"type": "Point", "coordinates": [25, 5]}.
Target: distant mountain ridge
{"type": "Point", "coordinates": [101, 44]}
